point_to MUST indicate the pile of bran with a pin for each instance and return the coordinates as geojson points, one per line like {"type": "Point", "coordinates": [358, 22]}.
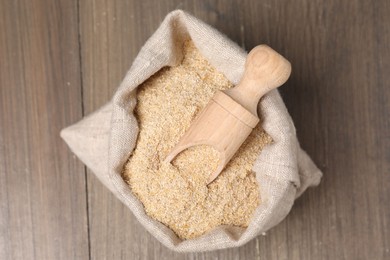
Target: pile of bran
{"type": "Point", "coordinates": [176, 193]}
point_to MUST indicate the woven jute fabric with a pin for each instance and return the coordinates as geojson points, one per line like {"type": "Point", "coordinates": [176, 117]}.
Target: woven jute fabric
{"type": "Point", "coordinates": [105, 139]}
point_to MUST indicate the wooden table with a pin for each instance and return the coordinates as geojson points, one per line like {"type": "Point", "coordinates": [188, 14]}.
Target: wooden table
{"type": "Point", "coordinates": [61, 60]}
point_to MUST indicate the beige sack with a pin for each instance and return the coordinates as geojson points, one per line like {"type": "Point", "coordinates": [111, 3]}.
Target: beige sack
{"type": "Point", "coordinates": [105, 139]}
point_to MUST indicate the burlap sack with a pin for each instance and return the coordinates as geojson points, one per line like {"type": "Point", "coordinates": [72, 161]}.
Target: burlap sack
{"type": "Point", "coordinates": [105, 139]}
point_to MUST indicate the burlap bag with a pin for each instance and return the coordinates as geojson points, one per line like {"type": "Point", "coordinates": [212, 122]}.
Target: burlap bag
{"type": "Point", "coordinates": [105, 139]}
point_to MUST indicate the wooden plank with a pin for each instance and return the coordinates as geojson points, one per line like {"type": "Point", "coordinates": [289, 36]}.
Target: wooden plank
{"type": "Point", "coordinates": [337, 97]}
{"type": "Point", "coordinates": [42, 185]}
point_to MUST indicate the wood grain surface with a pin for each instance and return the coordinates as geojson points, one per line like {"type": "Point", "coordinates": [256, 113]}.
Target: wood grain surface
{"type": "Point", "coordinates": [42, 185]}
{"type": "Point", "coordinates": [60, 60]}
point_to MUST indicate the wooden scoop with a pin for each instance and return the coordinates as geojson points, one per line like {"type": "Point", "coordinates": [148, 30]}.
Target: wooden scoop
{"type": "Point", "coordinates": [230, 116]}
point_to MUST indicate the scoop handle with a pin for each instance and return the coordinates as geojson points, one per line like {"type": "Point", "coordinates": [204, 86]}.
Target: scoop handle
{"type": "Point", "coordinates": [265, 69]}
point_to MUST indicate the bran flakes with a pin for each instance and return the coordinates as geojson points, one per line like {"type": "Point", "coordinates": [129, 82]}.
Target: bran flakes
{"type": "Point", "coordinates": [176, 193]}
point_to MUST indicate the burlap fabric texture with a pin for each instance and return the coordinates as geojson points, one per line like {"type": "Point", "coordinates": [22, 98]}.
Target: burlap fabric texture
{"type": "Point", "coordinates": [105, 139]}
